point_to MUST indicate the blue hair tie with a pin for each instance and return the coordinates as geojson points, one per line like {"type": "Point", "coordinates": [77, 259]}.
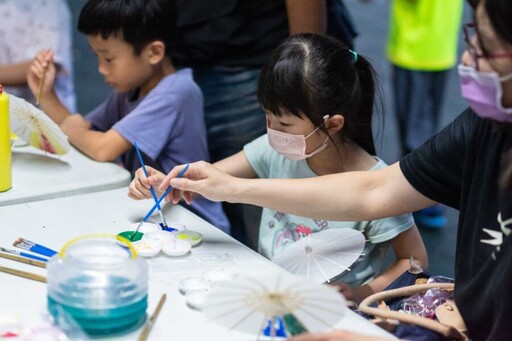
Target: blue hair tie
{"type": "Point", "coordinates": [354, 55]}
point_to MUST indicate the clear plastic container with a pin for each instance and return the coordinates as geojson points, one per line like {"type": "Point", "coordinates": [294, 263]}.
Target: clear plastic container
{"type": "Point", "coordinates": [101, 283]}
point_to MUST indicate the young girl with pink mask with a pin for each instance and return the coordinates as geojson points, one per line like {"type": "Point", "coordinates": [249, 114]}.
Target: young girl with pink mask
{"type": "Point", "coordinates": [318, 97]}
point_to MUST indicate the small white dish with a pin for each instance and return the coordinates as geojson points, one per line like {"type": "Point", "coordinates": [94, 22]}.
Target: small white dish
{"type": "Point", "coordinates": [176, 227]}
{"type": "Point", "coordinates": [145, 227]}
{"type": "Point", "coordinates": [193, 283]}
{"type": "Point", "coordinates": [193, 237]}
{"type": "Point", "coordinates": [195, 298]}
{"type": "Point", "coordinates": [176, 247]}
{"type": "Point", "coordinates": [147, 247]}
{"type": "Point", "coordinates": [162, 236]}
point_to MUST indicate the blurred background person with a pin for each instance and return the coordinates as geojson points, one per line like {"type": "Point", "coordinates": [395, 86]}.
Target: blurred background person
{"type": "Point", "coordinates": [28, 27]}
{"type": "Point", "coordinates": [226, 43]}
{"type": "Point", "coordinates": [422, 49]}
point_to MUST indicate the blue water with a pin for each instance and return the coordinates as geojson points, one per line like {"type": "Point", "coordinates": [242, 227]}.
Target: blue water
{"type": "Point", "coordinates": [101, 322]}
{"type": "Point", "coordinates": [101, 306]}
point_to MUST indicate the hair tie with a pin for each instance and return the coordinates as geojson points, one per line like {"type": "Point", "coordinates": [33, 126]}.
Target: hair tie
{"type": "Point", "coordinates": [354, 55]}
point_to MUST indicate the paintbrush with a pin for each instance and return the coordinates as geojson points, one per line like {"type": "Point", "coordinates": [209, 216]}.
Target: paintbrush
{"type": "Point", "coordinates": [23, 254]}
{"type": "Point", "coordinates": [49, 251]}
{"type": "Point", "coordinates": [24, 274]}
{"type": "Point", "coordinates": [40, 91]}
{"type": "Point", "coordinates": [153, 193]}
{"type": "Point", "coordinates": [22, 260]}
{"type": "Point", "coordinates": [33, 248]}
{"type": "Point", "coordinates": [158, 202]}
{"type": "Point", "coordinates": [147, 328]}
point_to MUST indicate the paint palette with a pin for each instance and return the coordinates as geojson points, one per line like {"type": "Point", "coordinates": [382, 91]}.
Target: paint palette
{"type": "Point", "coordinates": [144, 228]}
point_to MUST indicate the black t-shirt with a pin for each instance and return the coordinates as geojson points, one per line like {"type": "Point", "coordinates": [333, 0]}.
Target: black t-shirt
{"type": "Point", "coordinates": [461, 167]}
{"type": "Point", "coordinates": [228, 32]}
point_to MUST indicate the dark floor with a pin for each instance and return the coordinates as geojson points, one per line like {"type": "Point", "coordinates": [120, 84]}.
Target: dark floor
{"type": "Point", "coordinates": [371, 18]}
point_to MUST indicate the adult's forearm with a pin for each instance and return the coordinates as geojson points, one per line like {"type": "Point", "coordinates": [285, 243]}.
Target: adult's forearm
{"type": "Point", "coordinates": [351, 196]}
{"type": "Point", "coordinates": [306, 16]}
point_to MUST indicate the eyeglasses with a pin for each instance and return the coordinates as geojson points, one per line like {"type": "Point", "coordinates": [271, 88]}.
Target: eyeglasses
{"type": "Point", "coordinates": [469, 33]}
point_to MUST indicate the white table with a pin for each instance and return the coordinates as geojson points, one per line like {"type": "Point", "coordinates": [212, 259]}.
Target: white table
{"type": "Point", "coordinates": [36, 176]}
{"type": "Point", "coordinates": [54, 222]}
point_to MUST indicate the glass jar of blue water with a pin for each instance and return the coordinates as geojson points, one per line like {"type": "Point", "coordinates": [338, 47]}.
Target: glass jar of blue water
{"type": "Point", "coordinates": [101, 283]}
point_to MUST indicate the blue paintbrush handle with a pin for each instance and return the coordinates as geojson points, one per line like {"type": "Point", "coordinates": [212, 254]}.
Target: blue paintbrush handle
{"type": "Point", "coordinates": [164, 195]}
{"type": "Point", "coordinates": [146, 173]}
{"type": "Point", "coordinates": [28, 255]}
{"type": "Point", "coordinates": [42, 250]}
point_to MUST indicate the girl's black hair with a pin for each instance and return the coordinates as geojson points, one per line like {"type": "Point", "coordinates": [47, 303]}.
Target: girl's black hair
{"type": "Point", "coordinates": [138, 22]}
{"type": "Point", "coordinates": [315, 75]}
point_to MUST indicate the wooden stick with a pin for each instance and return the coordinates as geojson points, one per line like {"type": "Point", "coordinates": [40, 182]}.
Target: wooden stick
{"type": "Point", "coordinates": [23, 260]}
{"type": "Point", "coordinates": [25, 274]}
{"type": "Point", "coordinates": [41, 82]}
{"type": "Point", "coordinates": [147, 328]}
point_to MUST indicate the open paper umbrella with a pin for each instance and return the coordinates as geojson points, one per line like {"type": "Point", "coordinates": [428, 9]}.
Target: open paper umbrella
{"type": "Point", "coordinates": [247, 304]}
{"type": "Point", "coordinates": [33, 126]}
{"type": "Point", "coordinates": [322, 255]}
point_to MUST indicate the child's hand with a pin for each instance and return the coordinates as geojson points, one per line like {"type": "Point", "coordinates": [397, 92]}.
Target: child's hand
{"type": "Point", "coordinates": [353, 295]}
{"type": "Point", "coordinates": [140, 186]}
{"type": "Point", "coordinates": [345, 290]}
{"type": "Point", "coordinates": [43, 66]}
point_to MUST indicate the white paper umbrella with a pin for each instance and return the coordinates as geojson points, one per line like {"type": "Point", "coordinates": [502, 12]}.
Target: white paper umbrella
{"type": "Point", "coordinates": [33, 126]}
{"type": "Point", "coordinates": [247, 304]}
{"type": "Point", "coordinates": [322, 255]}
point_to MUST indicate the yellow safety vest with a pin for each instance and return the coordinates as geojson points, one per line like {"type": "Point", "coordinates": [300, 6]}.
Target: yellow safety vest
{"type": "Point", "coordinates": [423, 34]}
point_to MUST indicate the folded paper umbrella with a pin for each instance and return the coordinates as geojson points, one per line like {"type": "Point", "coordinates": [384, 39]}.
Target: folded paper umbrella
{"type": "Point", "coordinates": [247, 304]}
{"type": "Point", "coordinates": [32, 125]}
{"type": "Point", "coordinates": [322, 255]}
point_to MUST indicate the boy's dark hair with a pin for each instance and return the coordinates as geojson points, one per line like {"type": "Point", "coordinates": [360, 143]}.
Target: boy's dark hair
{"type": "Point", "coordinates": [316, 75]}
{"type": "Point", "coordinates": [138, 22]}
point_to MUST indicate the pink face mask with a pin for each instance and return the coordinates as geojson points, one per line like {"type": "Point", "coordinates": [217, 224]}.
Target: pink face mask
{"type": "Point", "coordinates": [483, 91]}
{"type": "Point", "coordinates": [292, 146]}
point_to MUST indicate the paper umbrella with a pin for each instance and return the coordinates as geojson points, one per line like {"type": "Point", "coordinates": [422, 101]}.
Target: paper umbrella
{"type": "Point", "coordinates": [249, 304]}
{"type": "Point", "coordinates": [322, 255]}
{"type": "Point", "coordinates": [33, 126]}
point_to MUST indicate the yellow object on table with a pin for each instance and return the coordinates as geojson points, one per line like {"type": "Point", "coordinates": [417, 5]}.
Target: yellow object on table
{"type": "Point", "coordinates": [5, 143]}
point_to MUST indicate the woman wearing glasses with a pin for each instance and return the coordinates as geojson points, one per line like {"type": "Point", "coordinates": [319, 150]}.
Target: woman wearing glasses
{"type": "Point", "coordinates": [468, 166]}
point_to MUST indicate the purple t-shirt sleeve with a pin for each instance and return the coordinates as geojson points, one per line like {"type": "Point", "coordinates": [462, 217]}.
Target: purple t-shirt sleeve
{"type": "Point", "coordinates": [104, 116]}
{"type": "Point", "coordinates": [167, 124]}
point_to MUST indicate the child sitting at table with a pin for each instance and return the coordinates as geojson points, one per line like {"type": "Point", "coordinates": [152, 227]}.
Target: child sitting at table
{"type": "Point", "coordinates": [318, 96]}
{"type": "Point", "coordinates": [154, 104]}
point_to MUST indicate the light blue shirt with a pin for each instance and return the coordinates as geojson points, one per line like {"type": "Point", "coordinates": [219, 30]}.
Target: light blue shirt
{"type": "Point", "coordinates": [278, 229]}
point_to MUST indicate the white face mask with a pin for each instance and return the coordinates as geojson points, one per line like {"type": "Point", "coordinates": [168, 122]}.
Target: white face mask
{"type": "Point", "coordinates": [484, 93]}
{"type": "Point", "coordinates": [292, 146]}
